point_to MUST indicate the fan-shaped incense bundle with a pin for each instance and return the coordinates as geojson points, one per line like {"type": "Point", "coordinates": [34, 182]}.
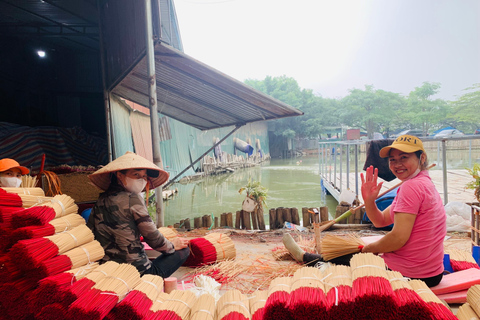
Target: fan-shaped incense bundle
{"type": "Point", "coordinates": [461, 260]}
{"type": "Point", "coordinates": [409, 305]}
{"type": "Point", "coordinates": [29, 191]}
{"type": "Point", "coordinates": [438, 310]}
{"type": "Point", "coordinates": [465, 312]}
{"type": "Point", "coordinates": [75, 258]}
{"type": "Point", "coordinates": [29, 181]}
{"type": "Point", "coordinates": [307, 294]}
{"type": "Point", "coordinates": [233, 305]}
{"type": "Point", "coordinates": [55, 226]}
{"type": "Point", "coordinates": [336, 246]}
{"type": "Point", "coordinates": [371, 288]}
{"type": "Point", "coordinates": [276, 307]}
{"type": "Point", "coordinates": [203, 308]}
{"type": "Point", "coordinates": [176, 307]}
{"type": "Point", "coordinates": [34, 251]}
{"type": "Point", "coordinates": [257, 304]}
{"type": "Point", "coordinates": [104, 295]}
{"type": "Point", "coordinates": [214, 247]}
{"type": "Point", "coordinates": [60, 206]}
{"type": "Point", "coordinates": [14, 298]}
{"type": "Point", "coordinates": [338, 288]}
{"type": "Point", "coordinates": [137, 303]}
{"type": "Point", "coordinates": [473, 298]}
{"type": "Point", "coordinates": [168, 233]}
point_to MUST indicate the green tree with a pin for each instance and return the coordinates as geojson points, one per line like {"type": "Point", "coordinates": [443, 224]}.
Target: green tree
{"type": "Point", "coordinates": [465, 110]}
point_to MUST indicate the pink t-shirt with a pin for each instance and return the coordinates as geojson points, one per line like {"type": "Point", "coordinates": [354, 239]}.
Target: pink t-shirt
{"type": "Point", "coordinates": [422, 255]}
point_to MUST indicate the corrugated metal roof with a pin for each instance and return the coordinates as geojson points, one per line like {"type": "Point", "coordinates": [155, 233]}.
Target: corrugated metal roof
{"type": "Point", "coordinates": [194, 93]}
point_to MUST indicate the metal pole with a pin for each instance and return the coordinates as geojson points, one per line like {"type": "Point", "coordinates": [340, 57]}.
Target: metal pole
{"type": "Point", "coordinates": [356, 169]}
{"type": "Point", "coordinates": [341, 165]}
{"type": "Point", "coordinates": [469, 153]}
{"type": "Point", "coordinates": [152, 94]}
{"type": "Point", "coordinates": [348, 166]}
{"type": "Point", "coordinates": [335, 165]}
{"type": "Point", "coordinates": [444, 168]}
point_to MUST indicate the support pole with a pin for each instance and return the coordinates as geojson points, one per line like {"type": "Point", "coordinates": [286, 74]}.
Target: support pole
{"type": "Point", "coordinates": [152, 95]}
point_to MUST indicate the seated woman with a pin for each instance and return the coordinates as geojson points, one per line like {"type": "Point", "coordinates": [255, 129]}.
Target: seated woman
{"type": "Point", "coordinates": [414, 247]}
{"type": "Point", "coordinates": [120, 217]}
{"type": "Point", "coordinates": [11, 173]}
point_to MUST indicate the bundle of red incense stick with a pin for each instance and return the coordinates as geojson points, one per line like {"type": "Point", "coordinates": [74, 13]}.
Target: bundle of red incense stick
{"type": "Point", "coordinates": [438, 310]}
{"type": "Point", "coordinates": [214, 247]}
{"type": "Point", "coordinates": [461, 260]}
{"type": "Point", "coordinates": [276, 306]}
{"type": "Point", "coordinates": [177, 306]}
{"type": "Point", "coordinates": [257, 304]}
{"type": "Point", "coordinates": [233, 305]}
{"type": "Point", "coordinates": [307, 294]}
{"type": "Point", "coordinates": [338, 287]}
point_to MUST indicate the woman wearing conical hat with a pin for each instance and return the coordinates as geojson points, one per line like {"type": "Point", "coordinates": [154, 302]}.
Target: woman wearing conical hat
{"type": "Point", "coordinates": [120, 217]}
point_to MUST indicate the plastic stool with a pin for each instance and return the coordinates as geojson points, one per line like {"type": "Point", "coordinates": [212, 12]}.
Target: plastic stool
{"type": "Point", "coordinates": [446, 263]}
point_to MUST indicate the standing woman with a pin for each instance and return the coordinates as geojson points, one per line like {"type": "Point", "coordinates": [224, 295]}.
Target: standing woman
{"type": "Point", "coordinates": [120, 217]}
{"type": "Point", "coordinates": [11, 173]}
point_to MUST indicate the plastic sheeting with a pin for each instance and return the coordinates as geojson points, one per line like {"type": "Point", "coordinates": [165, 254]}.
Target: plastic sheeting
{"type": "Point", "coordinates": [121, 130]}
{"type": "Point", "coordinates": [142, 135]}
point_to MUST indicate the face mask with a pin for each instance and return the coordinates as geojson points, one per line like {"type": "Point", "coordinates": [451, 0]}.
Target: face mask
{"type": "Point", "coordinates": [413, 175]}
{"type": "Point", "coordinates": [10, 182]}
{"type": "Point", "coordinates": [135, 185]}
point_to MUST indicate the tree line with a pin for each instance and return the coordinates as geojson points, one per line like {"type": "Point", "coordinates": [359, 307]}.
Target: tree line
{"type": "Point", "coordinates": [370, 109]}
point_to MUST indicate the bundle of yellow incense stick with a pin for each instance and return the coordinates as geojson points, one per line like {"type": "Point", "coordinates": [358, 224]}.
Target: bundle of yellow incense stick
{"type": "Point", "coordinates": [233, 304]}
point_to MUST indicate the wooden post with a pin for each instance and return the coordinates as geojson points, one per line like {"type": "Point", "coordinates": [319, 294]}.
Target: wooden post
{"type": "Point", "coordinates": [287, 214]}
{"type": "Point", "coordinates": [254, 218]}
{"type": "Point", "coordinates": [187, 224]}
{"type": "Point", "coordinates": [306, 217]}
{"type": "Point", "coordinates": [261, 219]}
{"type": "Point", "coordinates": [223, 220]}
{"type": "Point", "coordinates": [318, 238]}
{"type": "Point", "coordinates": [272, 216]}
{"type": "Point", "coordinates": [295, 217]}
{"type": "Point", "coordinates": [208, 221]}
{"type": "Point", "coordinates": [279, 219]}
{"type": "Point", "coordinates": [197, 222]}
{"type": "Point", "coordinates": [230, 220]}
{"type": "Point", "coordinates": [246, 220]}
{"type": "Point", "coordinates": [182, 223]}
{"type": "Point", "coordinates": [238, 219]}
{"type": "Point", "coordinates": [323, 214]}
{"type": "Point", "coordinates": [176, 225]}
{"type": "Point", "coordinates": [216, 222]}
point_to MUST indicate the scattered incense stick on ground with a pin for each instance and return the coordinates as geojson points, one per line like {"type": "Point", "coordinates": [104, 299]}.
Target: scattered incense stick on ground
{"type": "Point", "coordinates": [371, 288]}
{"type": "Point", "coordinates": [276, 307]}
{"type": "Point", "coordinates": [437, 308]}
{"type": "Point", "coordinates": [233, 305]}
{"type": "Point", "coordinates": [203, 308]}
{"type": "Point", "coordinates": [408, 303]}
{"type": "Point", "coordinates": [465, 312]}
{"type": "Point", "coordinates": [335, 246]}
{"type": "Point", "coordinates": [307, 294]}
{"type": "Point", "coordinates": [338, 287]}
{"type": "Point", "coordinates": [461, 260]}
{"type": "Point", "coordinates": [257, 304]}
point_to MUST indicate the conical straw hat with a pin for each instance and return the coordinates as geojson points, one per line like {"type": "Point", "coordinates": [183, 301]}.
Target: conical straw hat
{"type": "Point", "coordinates": [130, 160]}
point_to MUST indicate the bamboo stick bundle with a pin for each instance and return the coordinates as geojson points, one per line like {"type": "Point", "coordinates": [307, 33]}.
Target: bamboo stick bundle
{"type": "Point", "coordinates": [105, 294]}
{"type": "Point", "coordinates": [29, 191]}
{"type": "Point", "coordinates": [214, 247]}
{"type": "Point", "coordinates": [278, 295]}
{"type": "Point", "coordinates": [158, 302]}
{"type": "Point", "coordinates": [233, 305]}
{"type": "Point", "coordinates": [408, 303]}
{"type": "Point", "coordinates": [257, 304]}
{"type": "Point", "coordinates": [177, 307]}
{"type": "Point", "coordinates": [338, 288]}
{"type": "Point", "coordinates": [34, 251]}
{"type": "Point", "coordinates": [203, 308]}
{"type": "Point", "coordinates": [75, 258]}
{"type": "Point", "coordinates": [473, 298]}
{"type": "Point", "coordinates": [371, 288]}
{"type": "Point", "coordinates": [60, 206]}
{"type": "Point", "coordinates": [438, 310]}
{"type": "Point", "coordinates": [461, 260]}
{"type": "Point", "coordinates": [307, 294]}
{"type": "Point", "coordinates": [29, 181]}
{"type": "Point", "coordinates": [137, 303]}
{"type": "Point", "coordinates": [168, 233]}
{"type": "Point", "coordinates": [465, 312]}
{"type": "Point", "coordinates": [14, 199]}
{"type": "Point", "coordinates": [336, 246]}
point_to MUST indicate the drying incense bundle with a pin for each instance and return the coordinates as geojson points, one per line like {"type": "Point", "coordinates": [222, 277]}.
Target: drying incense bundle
{"type": "Point", "coordinates": [461, 260]}
{"type": "Point", "coordinates": [34, 251]}
{"type": "Point", "coordinates": [168, 233]}
{"type": "Point", "coordinates": [409, 305]}
{"type": "Point", "coordinates": [336, 246]}
{"type": "Point", "coordinates": [438, 310]}
{"type": "Point", "coordinates": [233, 305]}
{"type": "Point", "coordinates": [257, 304]}
{"type": "Point", "coordinates": [157, 304]}
{"type": "Point", "coordinates": [8, 270]}
{"type": "Point", "coordinates": [137, 303]}
{"type": "Point", "coordinates": [60, 206]}
{"type": "Point", "coordinates": [338, 288]}
{"type": "Point", "coordinates": [214, 247]}
{"type": "Point", "coordinates": [473, 298]}
{"type": "Point", "coordinates": [29, 181]}
{"type": "Point", "coordinates": [278, 295]}
{"type": "Point", "coordinates": [371, 288]}
{"type": "Point", "coordinates": [14, 296]}
{"type": "Point", "coordinates": [50, 288]}
{"type": "Point", "coordinates": [6, 215]}
{"type": "Point", "coordinates": [203, 308]}
{"type": "Point", "coordinates": [307, 294]}
{"type": "Point", "coordinates": [12, 199]}
{"type": "Point", "coordinates": [177, 306]}
{"type": "Point", "coordinates": [75, 258]}
{"type": "Point", "coordinates": [465, 312]}
{"type": "Point", "coordinates": [29, 191]}
{"type": "Point", "coordinates": [104, 295]}
{"type": "Point", "coordinates": [57, 225]}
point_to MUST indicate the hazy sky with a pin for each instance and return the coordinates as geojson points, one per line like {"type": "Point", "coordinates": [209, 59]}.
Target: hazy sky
{"type": "Point", "coordinates": [336, 45]}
